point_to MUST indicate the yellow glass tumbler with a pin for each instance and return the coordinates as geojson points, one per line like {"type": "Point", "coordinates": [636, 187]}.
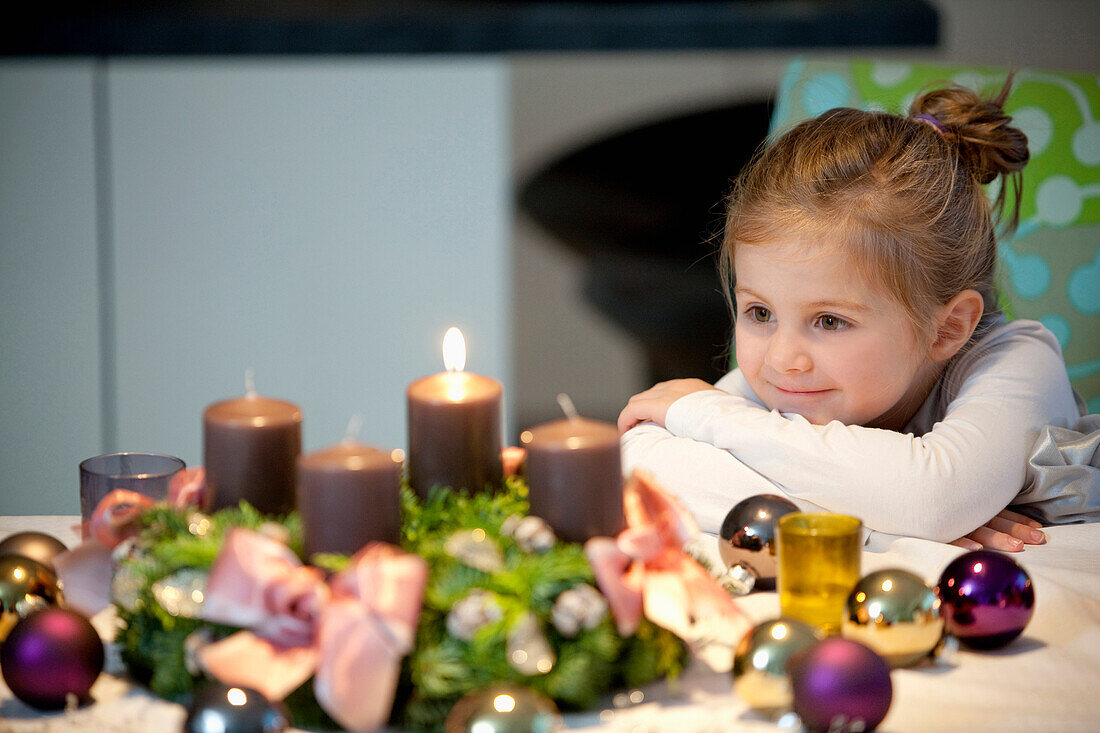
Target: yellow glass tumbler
{"type": "Point", "coordinates": [819, 564]}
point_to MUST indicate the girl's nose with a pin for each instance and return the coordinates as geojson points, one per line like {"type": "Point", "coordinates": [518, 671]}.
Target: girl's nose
{"type": "Point", "coordinates": [787, 353]}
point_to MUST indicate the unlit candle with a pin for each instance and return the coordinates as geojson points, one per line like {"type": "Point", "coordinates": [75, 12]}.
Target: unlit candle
{"type": "Point", "coordinates": [250, 445]}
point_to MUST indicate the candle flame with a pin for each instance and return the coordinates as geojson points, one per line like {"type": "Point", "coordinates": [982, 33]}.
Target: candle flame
{"type": "Point", "coordinates": [454, 350]}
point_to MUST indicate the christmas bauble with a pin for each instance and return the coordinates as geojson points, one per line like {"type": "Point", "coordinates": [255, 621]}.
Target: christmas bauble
{"type": "Point", "coordinates": [987, 599]}
{"type": "Point", "coordinates": [760, 675]}
{"type": "Point", "coordinates": [503, 709]}
{"type": "Point", "coordinates": [895, 613]}
{"type": "Point", "coordinates": [35, 545]}
{"type": "Point", "coordinates": [50, 655]}
{"type": "Point", "coordinates": [218, 708]}
{"type": "Point", "coordinates": [26, 586]}
{"type": "Point", "coordinates": [746, 541]}
{"type": "Point", "coordinates": [840, 685]}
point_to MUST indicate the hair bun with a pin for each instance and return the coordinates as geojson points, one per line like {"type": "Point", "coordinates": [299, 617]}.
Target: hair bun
{"type": "Point", "coordinates": [987, 144]}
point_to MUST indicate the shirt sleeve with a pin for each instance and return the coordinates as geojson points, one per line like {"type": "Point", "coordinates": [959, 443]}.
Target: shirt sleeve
{"type": "Point", "coordinates": [708, 480]}
{"type": "Point", "coordinates": [938, 486]}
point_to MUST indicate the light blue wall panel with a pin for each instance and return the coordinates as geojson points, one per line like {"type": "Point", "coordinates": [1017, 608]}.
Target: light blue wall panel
{"type": "Point", "coordinates": [322, 221]}
{"type": "Point", "coordinates": [49, 334]}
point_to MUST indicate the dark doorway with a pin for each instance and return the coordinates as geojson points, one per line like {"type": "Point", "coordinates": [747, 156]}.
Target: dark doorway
{"type": "Point", "coordinates": [644, 208]}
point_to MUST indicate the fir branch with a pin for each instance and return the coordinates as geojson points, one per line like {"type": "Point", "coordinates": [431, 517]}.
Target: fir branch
{"type": "Point", "coordinates": [440, 669]}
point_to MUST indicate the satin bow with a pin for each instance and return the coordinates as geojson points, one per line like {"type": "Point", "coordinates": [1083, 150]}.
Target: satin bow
{"type": "Point", "coordinates": [349, 633]}
{"type": "Point", "coordinates": [646, 570]}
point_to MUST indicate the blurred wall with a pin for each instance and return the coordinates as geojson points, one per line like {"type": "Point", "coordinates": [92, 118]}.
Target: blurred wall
{"type": "Point", "coordinates": [562, 101]}
{"type": "Point", "coordinates": [168, 223]}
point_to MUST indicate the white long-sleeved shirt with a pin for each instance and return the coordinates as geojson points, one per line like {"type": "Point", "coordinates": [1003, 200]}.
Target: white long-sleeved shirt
{"type": "Point", "coordinates": [960, 459]}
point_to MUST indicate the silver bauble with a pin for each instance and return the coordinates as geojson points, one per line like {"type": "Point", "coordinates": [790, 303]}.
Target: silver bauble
{"type": "Point", "coordinates": [896, 614]}
{"type": "Point", "coordinates": [503, 708]}
{"type": "Point", "coordinates": [760, 663]}
{"type": "Point", "coordinates": [218, 708]}
{"type": "Point", "coordinates": [746, 542]}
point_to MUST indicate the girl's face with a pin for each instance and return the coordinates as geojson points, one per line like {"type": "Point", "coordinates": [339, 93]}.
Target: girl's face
{"type": "Point", "coordinates": [815, 340]}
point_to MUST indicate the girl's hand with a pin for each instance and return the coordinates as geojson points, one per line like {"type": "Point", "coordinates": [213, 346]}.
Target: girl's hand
{"type": "Point", "coordinates": [652, 405]}
{"type": "Point", "coordinates": [1007, 531]}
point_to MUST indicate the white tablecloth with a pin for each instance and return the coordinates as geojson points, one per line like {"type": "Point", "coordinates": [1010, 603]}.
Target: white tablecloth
{"type": "Point", "coordinates": [1046, 680]}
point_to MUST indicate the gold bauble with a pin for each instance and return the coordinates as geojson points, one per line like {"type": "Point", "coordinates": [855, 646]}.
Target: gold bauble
{"type": "Point", "coordinates": [35, 545]}
{"type": "Point", "coordinates": [760, 663]}
{"type": "Point", "coordinates": [26, 585]}
{"type": "Point", "coordinates": [895, 613]}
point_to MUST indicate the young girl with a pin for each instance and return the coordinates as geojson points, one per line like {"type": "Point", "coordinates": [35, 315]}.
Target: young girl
{"type": "Point", "coordinates": [876, 375]}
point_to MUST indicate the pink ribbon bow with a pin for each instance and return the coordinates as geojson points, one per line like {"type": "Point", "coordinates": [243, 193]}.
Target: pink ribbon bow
{"type": "Point", "coordinates": [645, 569]}
{"type": "Point", "coordinates": [349, 633]}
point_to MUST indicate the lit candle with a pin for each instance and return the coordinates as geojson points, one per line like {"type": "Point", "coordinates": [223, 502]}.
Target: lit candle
{"type": "Point", "coordinates": [454, 426]}
{"type": "Point", "coordinates": [349, 495]}
{"type": "Point", "coordinates": [250, 445]}
{"type": "Point", "coordinates": [574, 475]}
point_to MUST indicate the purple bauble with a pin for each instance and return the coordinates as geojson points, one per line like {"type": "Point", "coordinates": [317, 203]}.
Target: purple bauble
{"type": "Point", "coordinates": [840, 684]}
{"type": "Point", "coordinates": [987, 599]}
{"type": "Point", "coordinates": [49, 655]}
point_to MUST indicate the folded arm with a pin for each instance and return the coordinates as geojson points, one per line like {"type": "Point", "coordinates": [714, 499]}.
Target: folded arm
{"type": "Point", "coordinates": [708, 480]}
{"type": "Point", "coordinates": [939, 486]}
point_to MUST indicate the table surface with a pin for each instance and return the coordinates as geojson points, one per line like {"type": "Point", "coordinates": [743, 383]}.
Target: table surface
{"type": "Point", "coordinates": [1047, 679]}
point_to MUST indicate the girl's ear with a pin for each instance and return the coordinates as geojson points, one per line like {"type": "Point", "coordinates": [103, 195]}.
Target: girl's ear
{"type": "Point", "coordinates": [957, 320]}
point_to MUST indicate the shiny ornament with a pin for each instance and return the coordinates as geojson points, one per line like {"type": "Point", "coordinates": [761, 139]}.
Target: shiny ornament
{"type": "Point", "coordinates": [987, 599]}
{"type": "Point", "coordinates": [760, 675]}
{"type": "Point", "coordinates": [528, 650]}
{"type": "Point", "coordinates": [746, 542]}
{"type": "Point", "coordinates": [51, 655]}
{"type": "Point", "coordinates": [128, 581]}
{"type": "Point", "coordinates": [532, 534]}
{"type": "Point", "coordinates": [503, 709]}
{"type": "Point", "coordinates": [35, 545]}
{"type": "Point", "coordinates": [26, 586]}
{"type": "Point", "coordinates": [840, 685]}
{"type": "Point", "coordinates": [475, 548]}
{"type": "Point", "coordinates": [479, 608]}
{"type": "Point", "coordinates": [895, 613]}
{"type": "Point", "coordinates": [580, 607]}
{"type": "Point", "coordinates": [218, 708]}
{"type": "Point", "coordinates": [182, 592]}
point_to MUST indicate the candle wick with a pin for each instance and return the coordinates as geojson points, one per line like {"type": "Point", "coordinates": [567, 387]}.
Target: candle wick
{"type": "Point", "coordinates": [250, 382]}
{"type": "Point", "coordinates": [567, 406]}
{"type": "Point", "coordinates": [355, 424]}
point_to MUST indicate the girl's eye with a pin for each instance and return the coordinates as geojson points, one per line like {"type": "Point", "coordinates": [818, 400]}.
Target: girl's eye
{"type": "Point", "coordinates": [832, 323]}
{"type": "Point", "coordinates": [760, 314]}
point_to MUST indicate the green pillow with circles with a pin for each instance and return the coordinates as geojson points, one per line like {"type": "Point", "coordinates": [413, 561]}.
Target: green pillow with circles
{"type": "Point", "coordinates": [1050, 268]}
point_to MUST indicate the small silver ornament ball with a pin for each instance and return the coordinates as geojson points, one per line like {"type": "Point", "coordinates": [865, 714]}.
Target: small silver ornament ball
{"type": "Point", "coordinates": [895, 613]}
{"type": "Point", "coordinates": [503, 708]}
{"type": "Point", "coordinates": [760, 675]}
{"type": "Point", "coordinates": [746, 541]}
{"type": "Point", "coordinates": [218, 708]}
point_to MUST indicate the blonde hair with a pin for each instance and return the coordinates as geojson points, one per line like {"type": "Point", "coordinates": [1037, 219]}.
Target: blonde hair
{"type": "Point", "coordinates": [902, 197]}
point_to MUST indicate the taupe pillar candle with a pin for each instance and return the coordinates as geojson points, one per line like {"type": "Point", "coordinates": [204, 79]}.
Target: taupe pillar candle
{"type": "Point", "coordinates": [455, 435]}
{"type": "Point", "coordinates": [348, 496]}
{"type": "Point", "coordinates": [574, 476]}
{"type": "Point", "coordinates": [250, 445]}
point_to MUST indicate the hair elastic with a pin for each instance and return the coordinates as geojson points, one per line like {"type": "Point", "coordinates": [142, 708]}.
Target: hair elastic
{"type": "Point", "coordinates": [931, 121]}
